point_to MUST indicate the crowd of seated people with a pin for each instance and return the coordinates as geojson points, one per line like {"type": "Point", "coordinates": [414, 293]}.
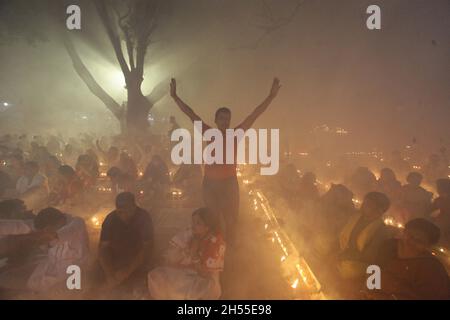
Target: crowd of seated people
{"type": "Point", "coordinates": [38, 241]}
{"type": "Point", "coordinates": [345, 226]}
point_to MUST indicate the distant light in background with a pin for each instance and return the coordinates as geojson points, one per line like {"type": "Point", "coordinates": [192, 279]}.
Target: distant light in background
{"type": "Point", "coordinates": [5, 106]}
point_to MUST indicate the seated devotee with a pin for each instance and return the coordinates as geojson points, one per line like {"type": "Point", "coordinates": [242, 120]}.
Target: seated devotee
{"type": "Point", "coordinates": [331, 213]}
{"type": "Point", "coordinates": [67, 187]}
{"type": "Point", "coordinates": [127, 165]}
{"type": "Point", "coordinates": [51, 170]}
{"type": "Point", "coordinates": [32, 187]}
{"type": "Point", "coordinates": [125, 248]}
{"type": "Point", "coordinates": [362, 182]}
{"type": "Point", "coordinates": [120, 181]}
{"type": "Point", "coordinates": [71, 247]}
{"type": "Point", "coordinates": [41, 155]}
{"type": "Point", "coordinates": [307, 189]}
{"type": "Point", "coordinates": [156, 178]}
{"type": "Point", "coordinates": [289, 181]}
{"type": "Point", "coordinates": [194, 262]}
{"type": "Point", "coordinates": [15, 219]}
{"type": "Point", "coordinates": [53, 144]}
{"type": "Point", "coordinates": [388, 184]}
{"type": "Point", "coordinates": [14, 209]}
{"type": "Point", "coordinates": [361, 237]}
{"type": "Point", "coordinates": [18, 241]}
{"type": "Point", "coordinates": [93, 155]}
{"type": "Point", "coordinates": [409, 270]}
{"type": "Point", "coordinates": [69, 156]}
{"type": "Point", "coordinates": [157, 172]}
{"type": "Point", "coordinates": [441, 208]}
{"type": "Point", "coordinates": [111, 157]}
{"type": "Point", "coordinates": [415, 201]}
{"type": "Point", "coordinates": [38, 259]}
{"type": "Point", "coordinates": [87, 170]}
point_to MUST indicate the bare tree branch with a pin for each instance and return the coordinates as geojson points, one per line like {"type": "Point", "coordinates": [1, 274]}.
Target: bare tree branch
{"type": "Point", "coordinates": [89, 80]}
{"type": "Point", "coordinates": [145, 24]}
{"type": "Point", "coordinates": [124, 26]}
{"type": "Point", "coordinates": [271, 24]}
{"type": "Point", "coordinates": [113, 36]}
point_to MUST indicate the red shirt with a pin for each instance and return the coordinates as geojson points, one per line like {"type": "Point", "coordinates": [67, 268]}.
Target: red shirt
{"type": "Point", "coordinates": [221, 171]}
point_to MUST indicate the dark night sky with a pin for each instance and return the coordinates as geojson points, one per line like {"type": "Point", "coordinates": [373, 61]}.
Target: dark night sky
{"type": "Point", "coordinates": [383, 86]}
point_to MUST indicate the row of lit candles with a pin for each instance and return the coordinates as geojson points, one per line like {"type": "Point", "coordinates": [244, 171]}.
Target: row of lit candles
{"type": "Point", "coordinates": [292, 263]}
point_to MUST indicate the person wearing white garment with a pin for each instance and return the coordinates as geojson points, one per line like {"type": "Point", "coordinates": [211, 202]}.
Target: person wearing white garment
{"type": "Point", "coordinates": [32, 187]}
{"type": "Point", "coordinates": [56, 241]}
{"type": "Point", "coordinates": [71, 247]}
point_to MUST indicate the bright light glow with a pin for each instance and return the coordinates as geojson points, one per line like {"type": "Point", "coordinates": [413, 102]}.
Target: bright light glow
{"type": "Point", "coordinates": [5, 104]}
{"type": "Point", "coordinates": [117, 79]}
{"type": "Point", "coordinates": [295, 284]}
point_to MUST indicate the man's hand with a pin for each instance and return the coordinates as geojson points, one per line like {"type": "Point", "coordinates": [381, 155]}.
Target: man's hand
{"type": "Point", "coordinates": [173, 88]}
{"type": "Point", "coordinates": [275, 87]}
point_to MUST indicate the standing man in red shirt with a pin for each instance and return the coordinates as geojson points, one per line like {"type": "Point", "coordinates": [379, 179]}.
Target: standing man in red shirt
{"type": "Point", "coordinates": [220, 184]}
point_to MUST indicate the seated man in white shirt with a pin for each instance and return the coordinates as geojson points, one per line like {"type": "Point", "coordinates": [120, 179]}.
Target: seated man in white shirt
{"type": "Point", "coordinates": [32, 187]}
{"type": "Point", "coordinates": [59, 240]}
{"type": "Point", "coordinates": [71, 247]}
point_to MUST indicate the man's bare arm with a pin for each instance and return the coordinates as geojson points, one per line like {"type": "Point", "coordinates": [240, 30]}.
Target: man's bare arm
{"type": "Point", "coordinates": [248, 122]}
{"type": "Point", "coordinates": [181, 104]}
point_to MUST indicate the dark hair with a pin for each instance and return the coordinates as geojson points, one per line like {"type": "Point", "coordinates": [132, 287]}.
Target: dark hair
{"type": "Point", "coordinates": [48, 217]}
{"type": "Point", "coordinates": [10, 207]}
{"type": "Point", "coordinates": [387, 172]}
{"type": "Point", "coordinates": [380, 199]}
{"type": "Point", "coordinates": [114, 172]}
{"type": "Point", "coordinates": [414, 177]}
{"type": "Point", "coordinates": [125, 198]}
{"type": "Point", "coordinates": [66, 171]}
{"type": "Point", "coordinates": [220, 110]}
{"type": "Point", "coordinates": [428, 228]}
{"type": "Point", "coordinates": [209, 218]}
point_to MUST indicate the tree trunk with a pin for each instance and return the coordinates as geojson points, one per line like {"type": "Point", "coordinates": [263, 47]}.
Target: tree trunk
{"type": "Point", "coordinates": [137, 110]}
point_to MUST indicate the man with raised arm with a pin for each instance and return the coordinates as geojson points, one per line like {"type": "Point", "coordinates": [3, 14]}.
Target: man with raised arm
{"type": "Point", "coordinates": [220, 185]}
